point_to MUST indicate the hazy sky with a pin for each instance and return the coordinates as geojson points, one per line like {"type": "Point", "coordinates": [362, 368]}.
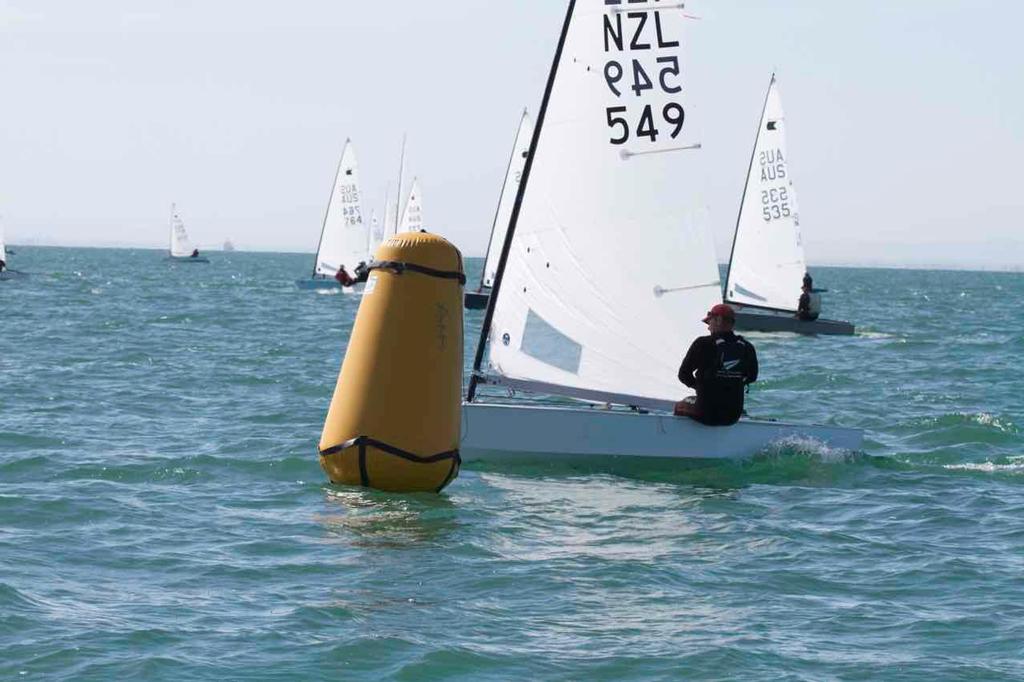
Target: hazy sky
{"type": "Point", "coordinates": [905, 119]}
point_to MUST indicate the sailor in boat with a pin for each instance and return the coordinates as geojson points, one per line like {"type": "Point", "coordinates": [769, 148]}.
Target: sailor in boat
{"type": "Point", "coordinates": [344, 279]}
{"type": "Point", "coordinates": [362, 272]}
{"type": "Point", "coordinates": [809, 306]}
{"type": "Point", "coordinates": [195, 253]}
{"type": "Point", "coordinates": [3, 265]}
{"type": "Point", "coordinates": [718, 367]}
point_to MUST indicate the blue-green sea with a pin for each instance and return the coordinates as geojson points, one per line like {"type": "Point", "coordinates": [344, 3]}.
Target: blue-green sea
{"type": "Point", "coordinates": [163, 515]}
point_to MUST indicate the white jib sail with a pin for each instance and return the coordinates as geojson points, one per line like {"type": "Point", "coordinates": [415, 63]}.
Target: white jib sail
{"type": "Point", "coordinates": [344, 240]}
{"type": "Point", "coordinates": [180, 245]}
{"type": "Point", "coordinates": [610, 269]}
{"type": "Point", "coordinates": [768, 264]}
{"type": "Point", "coordinates": [412, 216]}
{"type": "Point", "coordinates": [3, 245]}
{"type": "Point", "coordinates": [514, 174]}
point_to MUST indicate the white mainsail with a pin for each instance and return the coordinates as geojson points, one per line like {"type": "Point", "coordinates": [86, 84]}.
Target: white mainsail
{"type": "Point", "coordinates": [390, 224]}
{"type": "Point", "coordinates": [609, 270]}
{"type": "Point", "coordinates": [345, 236]}
{"type": "Point", "coordinates": [180, 245]}
{"type": "Point", "coordinates": [412, 216]}
{"type": "Point", "coordinates": [3, 246]}
{"type": "Point", "coordinates": [514, 174]}
{"type": "Point", "coordinates": [767, 265]}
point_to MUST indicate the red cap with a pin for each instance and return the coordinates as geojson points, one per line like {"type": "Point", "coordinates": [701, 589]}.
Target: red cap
{"type": "Point", "coordinates": [721, 310]}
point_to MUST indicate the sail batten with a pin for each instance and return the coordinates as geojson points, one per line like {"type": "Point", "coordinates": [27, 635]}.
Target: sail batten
{"type": "Point", "coordinates": [599, 232]}
{"type": "Point", "coordinates": [767, 264]}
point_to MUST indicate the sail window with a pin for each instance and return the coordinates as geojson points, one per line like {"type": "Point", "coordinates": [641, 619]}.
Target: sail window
{"type": "Point", "coordinates": [543, 342]}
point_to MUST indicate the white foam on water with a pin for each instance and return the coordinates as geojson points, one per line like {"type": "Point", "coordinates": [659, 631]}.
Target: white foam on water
{"type": "Point", "coordinates": [805, 445]}
{"type": "Point", "coordinates": [986, 419]}
{"type": "Point", "coordinates": [990, 467]}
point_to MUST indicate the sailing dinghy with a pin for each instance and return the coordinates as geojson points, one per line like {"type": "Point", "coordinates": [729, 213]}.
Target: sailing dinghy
{"type": "Point", "coordinates": [6, 273]}
{"type": "Point", "coordinates": [412, 216]}
{"type": "Point", "coordinates": [477, 300]}
{"type": "Point", "coordinates": [767, 264]}
{"type": "Point", "coordinates": [612, 177]}
{"type": "Point", "coordinates": [181, 249]}
{"type": "Point", "coordinates": [345, 236]}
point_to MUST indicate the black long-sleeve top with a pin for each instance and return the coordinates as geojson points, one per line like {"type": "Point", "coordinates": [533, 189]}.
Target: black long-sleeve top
{"type": "Point", "coordinates": [702, 358]}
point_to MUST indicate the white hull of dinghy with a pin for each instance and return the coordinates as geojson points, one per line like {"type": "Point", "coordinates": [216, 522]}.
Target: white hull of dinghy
{"type": "Point", "coordinates": [502, 433]}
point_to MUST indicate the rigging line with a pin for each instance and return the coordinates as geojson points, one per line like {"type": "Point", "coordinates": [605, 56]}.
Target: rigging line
{"type": "Point", "coordinates": [660, 291]}
{"type": "Point", "coordinates": [626, 154]}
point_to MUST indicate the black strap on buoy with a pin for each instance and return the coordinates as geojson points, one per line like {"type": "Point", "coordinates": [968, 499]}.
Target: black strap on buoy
{"type": "Point", "coordinates": [364, 442]}
{"type": "Point", "coordinates": [399, 267]}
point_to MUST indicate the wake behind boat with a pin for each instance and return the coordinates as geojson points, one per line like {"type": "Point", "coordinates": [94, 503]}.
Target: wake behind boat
{"type": "Point", "coordinates": [181, 249]}
{"type": "Point", "coordinates": [594, 195]}
{"type": "Point", "coordinates": [768, 263]}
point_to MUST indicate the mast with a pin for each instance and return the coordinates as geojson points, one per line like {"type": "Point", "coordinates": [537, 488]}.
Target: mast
{"type": "Point", "coordinates": [746, 184]}
{"type": "Point", "coordinates": [398, 196]}
{"type": "Point", "coordinates": [501, 197]}
{"type": "Point", "coordinates": [485, 330]}
{"type": "Point", "coordinates": [327, 211]}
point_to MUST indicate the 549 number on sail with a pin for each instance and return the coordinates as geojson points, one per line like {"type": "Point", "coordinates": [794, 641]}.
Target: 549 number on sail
{"type": "Point", "coordinates": [642, 68]}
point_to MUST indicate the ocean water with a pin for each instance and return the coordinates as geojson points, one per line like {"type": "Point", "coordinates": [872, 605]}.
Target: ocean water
{"type": "Point", "coordinates": [163, 515]}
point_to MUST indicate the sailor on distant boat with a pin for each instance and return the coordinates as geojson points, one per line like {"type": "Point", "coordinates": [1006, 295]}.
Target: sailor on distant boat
{"type": "Point", "coordinates": [809, 307]}
{"type": "Point", "coordinates": [344, 279]}
{"type": "Point", "coordinates": [719, 367]}
{"type": "Point", "coordinates": [362, 272]}
{"type": "Point", "coordinates": [3, 265]}
{"type": "Point", "coordinates": [195, 253]}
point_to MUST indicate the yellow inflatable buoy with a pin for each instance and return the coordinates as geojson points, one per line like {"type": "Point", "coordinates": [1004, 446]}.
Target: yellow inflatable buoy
{"type": "Point", "coordinates": [394, 421]}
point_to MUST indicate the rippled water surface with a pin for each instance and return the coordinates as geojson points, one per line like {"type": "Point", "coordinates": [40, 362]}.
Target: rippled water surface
{"type": "Point", "coordinates": [163, 515]}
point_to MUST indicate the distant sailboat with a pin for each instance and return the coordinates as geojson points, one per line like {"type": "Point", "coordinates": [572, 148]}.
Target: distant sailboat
{"type": "Point", "coordinates": [412, 216]}
{"type": "Point", "coordinates": [4, 272]}
{"type": "Point", "coordinates": [768, 264]}
{"type": "Point", "coordinates": [181, 249]}
{"type": "Point", "coordinates": [228, 246]}
{"type": "Point", "coordinates": [344, 238]}
{"type": "Point", "coordinates": [563, 318]}
{"type": "Point", "coordinates": [390, 224]}
{"type": "Point", "coordinates": [376, 232]}
{"type": "Point", "coordinates": [477, 300]}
